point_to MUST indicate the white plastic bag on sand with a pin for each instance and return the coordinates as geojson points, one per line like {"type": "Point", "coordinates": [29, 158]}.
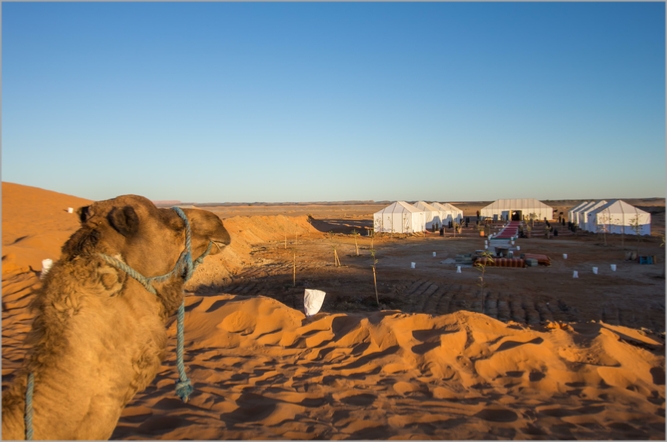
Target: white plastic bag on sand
{"type": "Point", "coordinates": [312, 301]}
{"type": "Point", "coordinates": [46, 266]}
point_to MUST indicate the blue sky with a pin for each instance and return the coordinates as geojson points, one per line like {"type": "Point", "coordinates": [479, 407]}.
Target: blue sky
{"type": "Point", "coordinates": [247, 102]}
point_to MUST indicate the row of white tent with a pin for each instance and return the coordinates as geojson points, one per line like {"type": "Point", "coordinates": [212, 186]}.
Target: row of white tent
{"type": "Point", "coordinates": [402, 217]}
{"type": "Point", "coordinates": [615, 216]}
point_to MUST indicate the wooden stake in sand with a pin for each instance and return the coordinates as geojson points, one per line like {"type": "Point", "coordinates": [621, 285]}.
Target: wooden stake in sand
{"type": "Point", "coordinates": [334, 246]}
{"type": "Point", "coordinates": [355, 234]}
{"type": "Point", "coordinates": [294, 270]}
{"type": "Point", "coordinates": [375, 281]}
{"type": "Point", "coordinates": [487, 257]}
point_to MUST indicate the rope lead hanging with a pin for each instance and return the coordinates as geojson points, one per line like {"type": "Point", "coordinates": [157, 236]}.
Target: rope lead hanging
{"type": "Point", "coordinates": [183, 385]}
{"type": "Point", "coordinates": [28, 406]}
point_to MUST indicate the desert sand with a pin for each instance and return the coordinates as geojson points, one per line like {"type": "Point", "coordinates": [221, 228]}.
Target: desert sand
{"type": "Point", "coordinates": [533, 354]}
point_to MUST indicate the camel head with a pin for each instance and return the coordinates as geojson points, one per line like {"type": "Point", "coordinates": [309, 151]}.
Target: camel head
{"type": "Point", "coordinates": [148, 239]}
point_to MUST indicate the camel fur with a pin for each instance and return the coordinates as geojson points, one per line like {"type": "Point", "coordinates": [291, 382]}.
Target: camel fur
{"type": "Point", "coordinates": [99, 336]}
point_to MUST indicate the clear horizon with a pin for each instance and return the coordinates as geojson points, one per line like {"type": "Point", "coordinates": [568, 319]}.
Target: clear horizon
{"type": "Point", "coordinates": [299, 102]}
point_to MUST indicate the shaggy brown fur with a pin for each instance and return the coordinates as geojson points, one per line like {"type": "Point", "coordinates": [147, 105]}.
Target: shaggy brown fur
{"type": "Point", "coordinates": [98, 336]}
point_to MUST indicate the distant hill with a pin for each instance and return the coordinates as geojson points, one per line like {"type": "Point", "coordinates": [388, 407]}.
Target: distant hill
{"type": "Point", "coordinates": [289, 203]}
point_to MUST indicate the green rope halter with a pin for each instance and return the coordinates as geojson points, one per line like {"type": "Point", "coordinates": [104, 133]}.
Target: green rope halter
{"type": "Point", "coordinates": [185, 267]}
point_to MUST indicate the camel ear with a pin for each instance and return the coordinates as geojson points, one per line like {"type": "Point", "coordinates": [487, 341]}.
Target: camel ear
{"type": "Point", "coordinates": [125, 220]}
{"type": "Point", "coordinates": [84, 213]}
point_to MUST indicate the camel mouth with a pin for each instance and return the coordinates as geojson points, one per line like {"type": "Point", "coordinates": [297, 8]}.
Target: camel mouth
{"type": "Point", "coordinates": [220, 244]}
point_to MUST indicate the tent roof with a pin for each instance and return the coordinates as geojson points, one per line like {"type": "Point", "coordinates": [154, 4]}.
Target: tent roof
{"type": "Point", "coordinates": [400, 207]}
{"type": "Point", "coordinates": [426, 207]}
{"type": "Point", "coordinates": [520, 203]}
{"type": "Point", "coordinates": [619, 206]}
{"type": "Point", "coordinates": [447, 206]}
{"type": "Point", "coordinates": [579, 206]}
{"type": "Point", "coordinates": [593, 205]}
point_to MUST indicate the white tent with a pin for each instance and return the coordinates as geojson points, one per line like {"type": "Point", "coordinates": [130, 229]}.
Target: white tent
{"type": "Point", "coordinates": [617, 216]}
{"type": "Point", "coordinates": [577, 213]}
{"type": "Point", "coordinates": [449, 212]}
{"type": "Point", "coordinates": [399, 217]}
{"type": "Point", "coordinates": [456, 212]}
{"type": "Point", "coordinates": [518, 209]}
{"type": "Point", "coordinates": [584, 215]}
{"type": "Point", "coordinates": [432, 214]}
{"type": "Point", "coordinates": [572, 211]}
{"type": "Point", "coordinates": [445, 212]}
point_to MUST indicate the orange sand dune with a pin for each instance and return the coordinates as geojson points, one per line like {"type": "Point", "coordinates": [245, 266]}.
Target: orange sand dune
{"type": "Point", "coordinates": [246, 233]}
{"type": "Point", "coordinates": [262, 370]}
{"type": "Point", "coordinates": [35, 224]}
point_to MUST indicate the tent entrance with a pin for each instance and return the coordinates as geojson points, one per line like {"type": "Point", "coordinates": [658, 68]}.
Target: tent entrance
{"type": "Point", "coordinates": [516, 215]}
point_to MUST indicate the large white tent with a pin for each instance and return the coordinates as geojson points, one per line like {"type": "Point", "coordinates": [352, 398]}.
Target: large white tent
{"type": "Point", "coordinates": [571, 213]}
{"type": "Point", "coordinates": [577, 212]}
{"type": "Point", "coordinates": [432, 214]}
{"type": "Point", "coordinates": [518, 209]}
{"type": "Point", "coordinates": [585, 211]}
{"type": "Point", "coordinates": [449, 212]}
{"type": "Point", "coordinates": [617, 216]}
{"type": "Point", "coordinates": [399, 217]}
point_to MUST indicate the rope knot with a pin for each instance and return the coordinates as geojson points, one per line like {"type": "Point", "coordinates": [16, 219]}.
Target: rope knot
{"type": "Point", "coordinates": [184, 389]}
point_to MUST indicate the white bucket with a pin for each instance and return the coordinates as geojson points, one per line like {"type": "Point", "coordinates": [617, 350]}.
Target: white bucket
{"type": "Point", "coordinates": [512, 242]}
{"type": "Point", "coordinates": [312, 301]}
{"type": "Point", "coordinates": [518, 247]}
{"type": "Point", "coordinates": [70, 210]}
{"type": "Point", "coordinates": [413, 264]}
{"type": "Point", "coordinates": [575, 274]}
{"type": "Point", "coordinates": [595, 270]}
{"type": "Point", "coordinates": [613, 267]}
{"type": "Point", "coordinates": [564, 255]}
{"type": "Point", "coordinates": [434, 254]}
{"type": "Point", "coordinates": [46, 266]}
{"type": "Point", "coordinates": [458, 269]}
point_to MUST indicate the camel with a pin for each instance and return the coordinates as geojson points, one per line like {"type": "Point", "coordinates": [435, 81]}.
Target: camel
{"type": "Point", "coordinates": [99, 335]}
